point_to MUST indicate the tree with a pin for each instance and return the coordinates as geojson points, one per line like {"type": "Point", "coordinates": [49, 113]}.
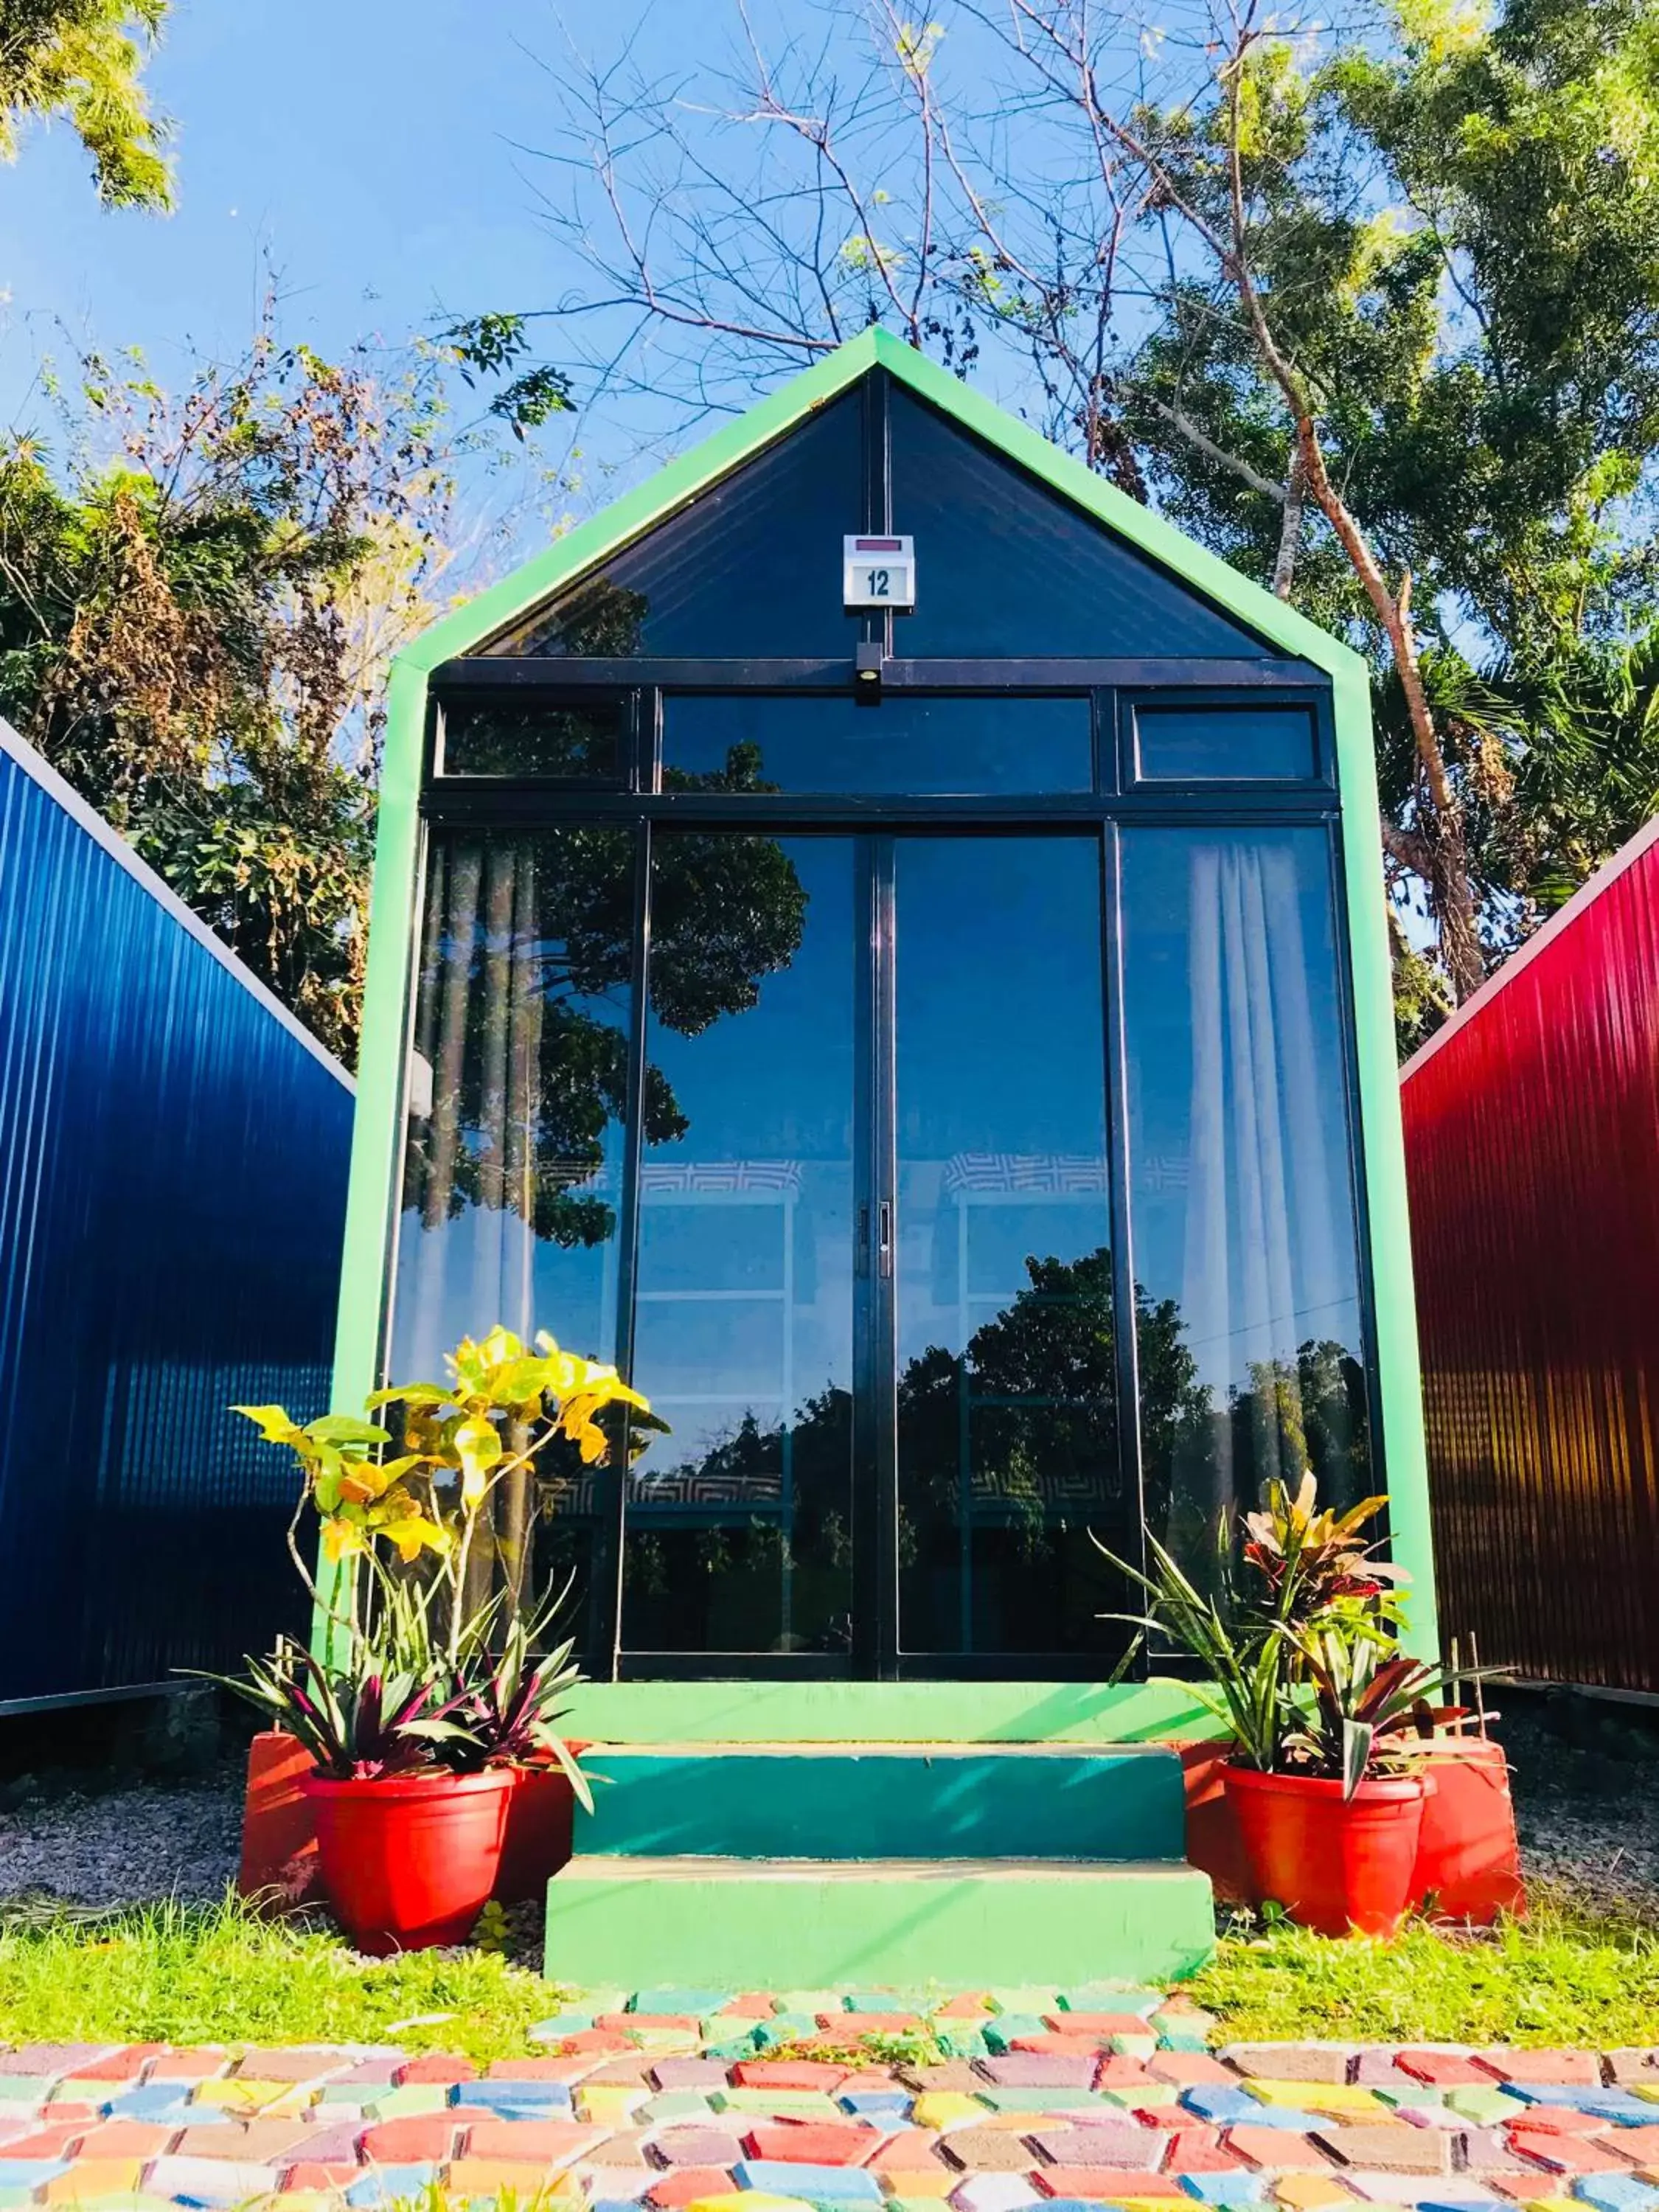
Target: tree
{"type": "Point", "coordinates": [1375, 317]}
{"type": "Point", "coordinates": [542, 948]}
{"type": "Point", "coordinates": [195, 604]}
{"type": "Point", "coordinates": [84, 59]}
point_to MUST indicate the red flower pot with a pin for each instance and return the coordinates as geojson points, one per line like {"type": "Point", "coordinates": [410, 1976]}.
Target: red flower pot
{"type": "Point", "coordinates": [279, 1838]}
{"type": "Point", "coordinates": [538, 1829]}
{"type": "Point", "coordinates": [1340, 1867]}
{"type": "Point", "coordinates": [1467, 1865]}
{"type": "Point", "coordinates": [410, 1861]}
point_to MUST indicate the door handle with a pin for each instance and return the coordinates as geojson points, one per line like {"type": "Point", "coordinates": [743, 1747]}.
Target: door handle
{"type": "Point", "coordinates": [884, 1238]}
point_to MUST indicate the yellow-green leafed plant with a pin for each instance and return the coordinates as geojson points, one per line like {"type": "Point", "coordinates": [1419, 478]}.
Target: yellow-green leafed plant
{"type": "Point", "coordinates": [502, 1408]}
{"type": "Point", "coordinates": [360, 1499]}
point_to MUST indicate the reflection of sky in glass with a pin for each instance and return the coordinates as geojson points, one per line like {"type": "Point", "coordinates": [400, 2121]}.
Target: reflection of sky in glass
{"type": "Point", "coordinates": [906, 744]}
{"type": "Point", "coordinates": [1199, 742]}
{"type": "Point", "coordinates": [1006, 1459]}
{"type": "Point", "coordinates": [745, 1302]}
{"type": "Point", "coordinates": [1000, 1073]}
{"type": "Point", "coordinates": [776, 1080]}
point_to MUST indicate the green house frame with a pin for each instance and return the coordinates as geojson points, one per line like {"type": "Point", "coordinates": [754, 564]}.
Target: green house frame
{"type": "Point", "coordinates": [492, 651]}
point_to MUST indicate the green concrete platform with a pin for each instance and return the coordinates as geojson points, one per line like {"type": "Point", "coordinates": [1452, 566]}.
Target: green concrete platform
{"type": "Point", "coordinates": [1161, 1709]}
{"type": "Point", "coordinates": [741, 1922]}
{"type": "Point", "coordinates": [947, 1801]}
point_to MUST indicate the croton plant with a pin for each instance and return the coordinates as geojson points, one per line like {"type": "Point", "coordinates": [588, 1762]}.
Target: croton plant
{"type": "Point", "coordinates": [410, 1673]}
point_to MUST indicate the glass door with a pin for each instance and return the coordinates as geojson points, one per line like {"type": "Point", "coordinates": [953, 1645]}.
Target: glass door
{"type": "Point", "coordinates": [737, 1526]}
{"type": "Point", "coordinates": [1005, 1357]}
{"type": "Point", "coordinates": [874, 1289]}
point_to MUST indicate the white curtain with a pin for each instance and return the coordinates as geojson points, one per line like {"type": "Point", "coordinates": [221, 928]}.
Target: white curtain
{"type": "Point", "coordinates": [1266, 1199]}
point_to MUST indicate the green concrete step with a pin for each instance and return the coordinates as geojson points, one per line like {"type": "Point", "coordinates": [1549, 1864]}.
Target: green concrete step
{"type": "Point", "coordinates": [749, 1923]}
{"type": "Point", "coordinates": [1161, 1709]}
{"type": "Point", "coordinates": [946, 1801]}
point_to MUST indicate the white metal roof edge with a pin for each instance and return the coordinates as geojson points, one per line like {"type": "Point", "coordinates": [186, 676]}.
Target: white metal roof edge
{"type": "Point", "coordinates": [87, 818]}
{"type": "Point", "coordinates": [1557, 925]}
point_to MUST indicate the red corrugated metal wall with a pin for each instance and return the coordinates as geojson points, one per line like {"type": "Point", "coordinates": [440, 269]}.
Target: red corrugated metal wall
{"type": "Point", "coordinates": [1532, 1147]}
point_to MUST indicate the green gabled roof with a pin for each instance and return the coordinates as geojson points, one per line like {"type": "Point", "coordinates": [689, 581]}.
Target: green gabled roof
{"type": "Point", "coordinates": [540, 578]}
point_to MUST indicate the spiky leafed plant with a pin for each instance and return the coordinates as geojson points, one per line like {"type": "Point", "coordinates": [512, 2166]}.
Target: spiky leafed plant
{"type": "Point", "coordinates": [1372, 1704]}
{"type": "Point", "coordinates": [1244, 1681]}
{"type": "Point", "coordinates": [513, 1698]}
{"type": "Point", "coordinates": [372, 1718]}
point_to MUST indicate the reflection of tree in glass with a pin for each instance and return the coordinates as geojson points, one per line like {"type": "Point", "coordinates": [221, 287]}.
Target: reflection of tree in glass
{"type": "Point", "coordinates": [1042, 1382]}
{"type": "Point", "coordinates": [1313, 1415]}
{"type": "Point", "coordinates": [497, 737]}
{"type": "Point", "coordinates": [1039, 1383]}
{"type": "Point", "coordinates": [599, 621]}
{"type": "Point", "coordinates": [715, 1518]}
{"type": "Point", "coordinates": [1284, 1420]}
{"type": "Point", "coordinates": [522, 1002]}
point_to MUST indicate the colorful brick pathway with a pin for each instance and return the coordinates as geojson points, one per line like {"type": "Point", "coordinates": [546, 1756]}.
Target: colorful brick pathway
{"type": "Point", "coordinates": [666, 2101]}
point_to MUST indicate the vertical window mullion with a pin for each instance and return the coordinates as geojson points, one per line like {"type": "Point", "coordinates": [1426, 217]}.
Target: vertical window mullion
{"type": "Point", "coordinates": [1124, 1339]}
{"type": "Point", "coordinates": [628, 1227]}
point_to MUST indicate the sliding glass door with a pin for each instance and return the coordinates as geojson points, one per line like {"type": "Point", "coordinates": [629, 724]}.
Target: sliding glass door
{"type": "Point", "coordinates": [873, 1292]}
{"type": "Point", "coordinates": [737, 1529]}
{"type": "Point", "coordinates": [1006, 1386]}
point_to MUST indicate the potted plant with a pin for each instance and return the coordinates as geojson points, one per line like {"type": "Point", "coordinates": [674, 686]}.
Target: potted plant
{"type": "Point", "coordinates": [1298, 1644]}
{"type": "Point", "coordinates": [515, 1699]}
{"type": "Point", "coordinates": [421, 1706]}
{"type": "Point", "coordinates": [409, 1846]}
{"type": "Point", "coordinates": [1332, 1830]}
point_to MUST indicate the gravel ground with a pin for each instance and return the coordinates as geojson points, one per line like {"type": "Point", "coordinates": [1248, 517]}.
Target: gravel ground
{"type": "Point", "coordinates": [1586, 1781]}
{"type": "Point", "coordinates": [107, 1845]}
{"type": "Point", "coordinates": [1586, 1788]}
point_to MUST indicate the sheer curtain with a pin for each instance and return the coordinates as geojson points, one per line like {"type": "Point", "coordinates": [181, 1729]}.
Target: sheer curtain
{"type": "Point", "coordinates": [1262, 1201]}
{"type": "Point", "coordinates": [478, 1029]}
{"type": "Point", "coordinates": [1245, 1228]}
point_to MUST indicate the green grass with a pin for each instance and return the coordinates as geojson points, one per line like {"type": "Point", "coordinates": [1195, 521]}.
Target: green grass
{"type": "Point", "coordinates": [218, 1974]}
{"type": "Point", "coordinates": [1563, 1976]}
{"type": "Point", "coordinates": [910, 2047]}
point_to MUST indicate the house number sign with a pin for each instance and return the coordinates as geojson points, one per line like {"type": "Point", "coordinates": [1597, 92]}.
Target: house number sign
{"type": "Point", "coordinates": [878, 572]}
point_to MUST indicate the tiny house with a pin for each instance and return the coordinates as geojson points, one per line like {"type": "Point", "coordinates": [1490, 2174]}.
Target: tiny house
{"type": "Point", "coordinates": [174, 1153]}
{"type": "Point", "coordinates": [1532, 1148]}
{"type": "Point", "coordinates": [882, 938]}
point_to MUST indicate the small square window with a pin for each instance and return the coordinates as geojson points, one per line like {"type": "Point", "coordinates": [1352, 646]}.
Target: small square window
{"type": "Point", "coordinates": [575, 740]}
{"type": "Point", "coordinates": [1193, 743]}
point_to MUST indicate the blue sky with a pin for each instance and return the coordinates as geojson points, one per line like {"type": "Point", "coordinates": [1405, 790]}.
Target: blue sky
{"type": "Point", "coordinates": [371, 148]}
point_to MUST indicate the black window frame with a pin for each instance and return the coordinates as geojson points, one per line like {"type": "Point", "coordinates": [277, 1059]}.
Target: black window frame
{"type": "Point", "coordinates": [1227, 699]}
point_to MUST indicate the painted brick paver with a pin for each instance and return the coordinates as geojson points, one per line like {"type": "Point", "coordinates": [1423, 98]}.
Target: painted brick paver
{"type": "Point", "coordinates": [672, 2100]}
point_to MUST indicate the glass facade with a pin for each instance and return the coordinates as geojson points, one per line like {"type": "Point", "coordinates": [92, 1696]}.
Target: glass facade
{"type": "Point", "coordinates": [752, 566]}
{"type": "Point", "coordinates": [577, 739]}
{"type": "Point", "coordinates": [1185, 744]}
{"type": "Point", "coordinates": [1007, 569]}
{"type": "Point", "coordinates": [941, 1109]}
{"type": "Point", "coordinates": [738, 1523]}
{"type": "Point", "coordinates": [516, 1101]}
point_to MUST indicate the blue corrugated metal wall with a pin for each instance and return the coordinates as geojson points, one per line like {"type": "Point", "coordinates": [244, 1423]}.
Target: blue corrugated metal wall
{"type": "Point", "coordinates": [173, 1182]}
